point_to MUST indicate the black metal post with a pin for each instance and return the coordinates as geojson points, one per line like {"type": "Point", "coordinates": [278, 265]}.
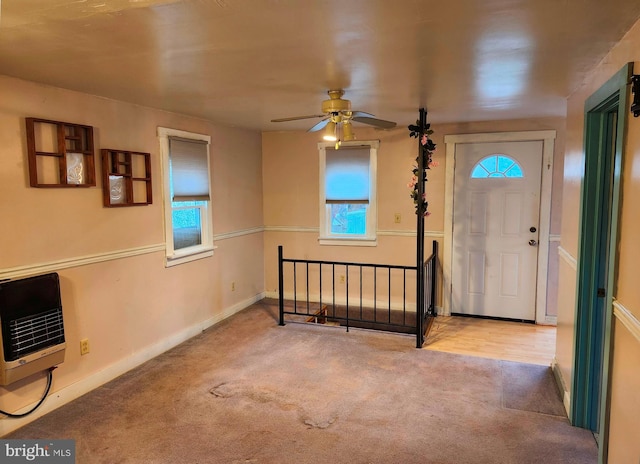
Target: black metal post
{"type": "Point", "coordinates": [420, 235]}
{"type": "Point", "coordinates": [281, 285]}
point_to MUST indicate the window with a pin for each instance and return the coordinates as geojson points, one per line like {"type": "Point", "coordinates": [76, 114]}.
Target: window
{"type": "Point", "coordinates": [348, 193]}
{"type": "Point", "coordinates": [497, 166]}
{"type": "Point", "coordinates": [187, 201]}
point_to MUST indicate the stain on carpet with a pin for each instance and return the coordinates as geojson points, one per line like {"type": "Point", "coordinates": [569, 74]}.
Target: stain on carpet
{"type": "Point", "coordinates": [222, 391]}
{"type": "Point", "coordinates": [315, 417]}
{"type": "Point", "coordinates": [529, 387]}
{"type": "Point", "coordinates": [320, 423]}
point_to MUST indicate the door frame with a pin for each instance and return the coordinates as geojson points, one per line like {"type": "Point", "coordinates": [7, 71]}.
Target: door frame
{"type": "Point", "coordinates": [613, 94]}
{"type": "Point", "coordinates": [548, 143]}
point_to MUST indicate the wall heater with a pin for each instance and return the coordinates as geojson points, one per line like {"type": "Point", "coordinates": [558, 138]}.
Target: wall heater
{"type": "Point", "coordinates": [32, 330]}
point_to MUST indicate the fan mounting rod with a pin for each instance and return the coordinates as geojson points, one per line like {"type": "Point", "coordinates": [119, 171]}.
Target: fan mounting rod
{"type": "Point", "coordinates": [336, 104]}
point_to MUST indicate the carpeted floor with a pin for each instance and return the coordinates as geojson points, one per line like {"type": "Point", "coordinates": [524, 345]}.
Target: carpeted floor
{"type": "Point", "coordinates": [250, 391]}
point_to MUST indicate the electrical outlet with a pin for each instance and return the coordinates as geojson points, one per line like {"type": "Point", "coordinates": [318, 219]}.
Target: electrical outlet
{"type": "Point", "coordinates": [233, 286]}
{"type": "Point", "coordinates": [341, 279]}
{"type": "Point", "coordinates": [84, 346]}
{"type": "Point", "coordinates": [397, 218]}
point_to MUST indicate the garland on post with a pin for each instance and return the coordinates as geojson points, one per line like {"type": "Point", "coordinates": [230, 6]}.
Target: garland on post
{"type": "Point", "coordinates": [427, 147]}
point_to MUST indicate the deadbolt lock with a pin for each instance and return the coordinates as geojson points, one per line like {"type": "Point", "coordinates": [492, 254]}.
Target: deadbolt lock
{"type": "Point", "coordinates": [532, 229]}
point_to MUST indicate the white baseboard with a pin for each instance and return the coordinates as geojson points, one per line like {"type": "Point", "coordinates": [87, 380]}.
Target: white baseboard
{"type": "Point", "coordinates": [566, 397]}
{"type": "Point", "coordinates": [75, 390]}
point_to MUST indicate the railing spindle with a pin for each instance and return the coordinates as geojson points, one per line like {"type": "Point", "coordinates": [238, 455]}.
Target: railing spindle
{"type": "Point", "coordinates": [375, 294]}
{"type": "Point", "coordinates": [320, 270]}
{"type": "Point", "coordinates": [404, 296]}
{"type": "Point", "coordinates": [307, 288]}
{"type": "Point", "coordinates": [346, 296]}
{"type": "Point", "coordinates": [360, 292]}
{"type": "Point", "coordinates": [333, 271]}
{"type": "Point", "coordinates": [434, 275]}
{"type": "Point", "coordinates": [389, 293]}
{"type": "Point", "coordinates": [281, 285]}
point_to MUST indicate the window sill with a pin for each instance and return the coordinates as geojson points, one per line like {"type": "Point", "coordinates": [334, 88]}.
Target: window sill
{"type": "Point", "coordinates": [176, 259]}
{"type": "Point", "coordinates": [342, 241]}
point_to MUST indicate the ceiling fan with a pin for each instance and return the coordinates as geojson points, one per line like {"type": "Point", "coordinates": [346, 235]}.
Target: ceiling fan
{"type": "Point", "coordinates": [337, 115]}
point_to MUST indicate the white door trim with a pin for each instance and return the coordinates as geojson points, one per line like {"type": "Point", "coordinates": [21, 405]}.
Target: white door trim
{"type": "Point", "coordinates": [548, 139]}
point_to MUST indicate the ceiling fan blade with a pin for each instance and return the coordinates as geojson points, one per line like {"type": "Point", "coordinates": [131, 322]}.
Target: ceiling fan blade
{"type": "Point", "coordinates": [361, 114]}
{"type": "Point", "coordinates": [321, 125]}
{"type": "Point", "coordinates": [380, 123]}
{"type": "Point", "coordinates": [295, 118]}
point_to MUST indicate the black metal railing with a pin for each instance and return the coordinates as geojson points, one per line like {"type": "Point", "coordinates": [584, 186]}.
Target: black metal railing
{"type": "Point", "coordinates": [373, 296]}
{"type": "Point", "coordinates": [429, 276]}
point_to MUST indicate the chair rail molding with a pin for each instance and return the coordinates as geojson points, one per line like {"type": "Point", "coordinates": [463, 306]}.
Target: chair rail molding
{"type": "Point", "coordinates": [567, 258]}
{"type": "Point", "coordinates": [76, 261]}
{"type": "Point", "coordinates": [627, 319]}
{"type": "Point", "coordinates": [237, 233]}
{"type": "Point", "coordinates": [381, 232]}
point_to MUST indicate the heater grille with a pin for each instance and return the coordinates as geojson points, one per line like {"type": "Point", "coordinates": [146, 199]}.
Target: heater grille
{"type": "Point", "coordinates": [32, 333]}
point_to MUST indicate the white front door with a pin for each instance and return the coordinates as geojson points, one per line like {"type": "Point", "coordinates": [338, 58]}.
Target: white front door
{"type": "Point", "coordinates": [495, 229]}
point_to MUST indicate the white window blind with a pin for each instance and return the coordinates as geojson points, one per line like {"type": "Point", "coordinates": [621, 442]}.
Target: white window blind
{"type": "Point", "coordinates": [189, 169]}
{"type": "Point", "coordinates": [347, 175]}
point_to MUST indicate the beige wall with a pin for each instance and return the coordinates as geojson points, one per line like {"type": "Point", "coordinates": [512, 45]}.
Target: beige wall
{"type": "Point", "coordinates": [624, 446]}
{"type": "Point", "coordinates": [291, 205]}
{"type": "Point", "coordinates": [129, 308]}
{"type": "Point", "coordinates": [291, 183]}
{"type": "Point", "coordinates": [625, 407]}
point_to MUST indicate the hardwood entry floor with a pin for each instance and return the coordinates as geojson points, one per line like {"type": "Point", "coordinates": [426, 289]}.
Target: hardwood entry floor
{"type": "Point", "coordinates": [487, 338]}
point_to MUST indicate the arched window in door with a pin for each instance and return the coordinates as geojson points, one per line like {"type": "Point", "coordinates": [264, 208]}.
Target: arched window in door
{"type": "Point", "coordinates": [497, 166]}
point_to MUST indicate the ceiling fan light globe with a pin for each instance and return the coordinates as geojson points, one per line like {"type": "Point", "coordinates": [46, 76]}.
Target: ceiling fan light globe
{"type": "Point", "coordinates": [347, 132]}
{"type": "Point", "coordinates": [330, 132]}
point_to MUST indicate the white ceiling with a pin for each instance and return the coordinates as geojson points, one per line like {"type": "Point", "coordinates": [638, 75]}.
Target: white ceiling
{"type": "Point", "coordinates": [245, 62]}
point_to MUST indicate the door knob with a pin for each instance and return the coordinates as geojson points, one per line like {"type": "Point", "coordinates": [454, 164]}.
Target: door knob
{"type": "Point", "coordinates": [532, 242]}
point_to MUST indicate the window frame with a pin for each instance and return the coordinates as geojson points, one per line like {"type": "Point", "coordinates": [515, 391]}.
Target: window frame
{"type": "Point", "coordinates": [205, 249]}
{"type": "Point", "coordinates": [326, 237]}
{"type": "Point", "coordinates": [497, 156]}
